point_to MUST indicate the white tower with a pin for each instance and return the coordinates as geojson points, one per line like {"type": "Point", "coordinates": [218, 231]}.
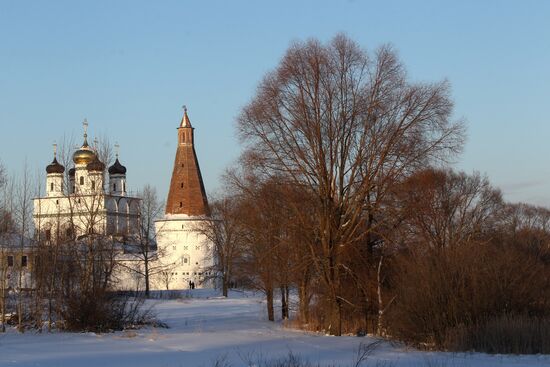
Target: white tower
{"type": "Point", "coordinates": [178, 237]}
{"type": "Point", "coordinates": [117, 177]}
{"type": "Point", "coordinates": [54, 176]}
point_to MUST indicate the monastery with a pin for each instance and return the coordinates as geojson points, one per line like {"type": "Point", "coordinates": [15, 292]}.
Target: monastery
{"type": "Point", "coordinates": [93, 199]}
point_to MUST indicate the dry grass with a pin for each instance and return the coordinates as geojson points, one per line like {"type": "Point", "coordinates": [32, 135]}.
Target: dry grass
{"type": "Point", "coordinates": [503, 335]}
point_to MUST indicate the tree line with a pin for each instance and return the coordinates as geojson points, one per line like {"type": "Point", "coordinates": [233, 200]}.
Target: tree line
{"type": "Point", "coordinates": [344, 199]}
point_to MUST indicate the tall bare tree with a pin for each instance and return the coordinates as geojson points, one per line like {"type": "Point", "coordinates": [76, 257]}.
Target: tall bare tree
{"type": "Point", "coordinates": [344, 125]}
{"type": "Point", "coordinates": [224, 232]}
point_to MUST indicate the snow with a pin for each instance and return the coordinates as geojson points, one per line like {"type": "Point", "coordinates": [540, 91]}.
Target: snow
{"type": "Point", "coordinates": [206, 327]}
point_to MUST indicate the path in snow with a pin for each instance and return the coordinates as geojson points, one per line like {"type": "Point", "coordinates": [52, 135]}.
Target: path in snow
{"type": "Point", "coordinates": [202, 329]}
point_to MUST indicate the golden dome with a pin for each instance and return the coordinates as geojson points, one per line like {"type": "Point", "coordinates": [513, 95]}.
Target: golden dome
{"type": "Point", "coordinates": [83, 156]}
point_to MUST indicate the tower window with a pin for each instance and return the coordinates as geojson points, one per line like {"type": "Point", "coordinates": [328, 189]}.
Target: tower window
{"type": "Point", "coordinates": [51, 186]}
{"type": "Point", "coordinates": [93, 185]}
{"type": "Point", "coordinates": [48, 234]}
{"type": "Point", "coordinates": [24, 261]}
{"type": "Point", "coordinates": [10, 260]}
{"type": "Point", "coordinates": [181, 204]}
{"type": "Point", "coordinates": [123, 186]}
{"type": "Point", "coordinates": [114, 187]}
{"type": "Point", "coordinates": [182, 185]}
{"type": "Point", "coordinates": [81, 180]}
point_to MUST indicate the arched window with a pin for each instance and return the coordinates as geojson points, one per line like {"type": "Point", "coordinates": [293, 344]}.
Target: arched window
{"type": "Point", "coordinates": [81, 180]}
{"type": "Point", "coordinates": [114, 187]}
{"type": "Point", "coordinates": [93, 185]}
{"type": "Point", "coordinates": [51, 186]}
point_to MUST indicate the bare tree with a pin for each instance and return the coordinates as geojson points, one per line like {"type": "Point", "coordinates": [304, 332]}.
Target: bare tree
{"type": "Point", "coordinates": [344, 125]}
{"type": "Point", "coordinates": [24, 227]}
{"type": "Point", "coordinates": [147, 258]}
{"type": "Point", "coordinates": [224, 232]}
{"type": "Point", "coordinates": [4, 229]}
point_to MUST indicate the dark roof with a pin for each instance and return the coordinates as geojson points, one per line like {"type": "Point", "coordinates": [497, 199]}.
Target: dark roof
{"type": "Point", "coordinates": [117, 168]}
{"type": "Point", "coordinates": [96, 165]}
{"type": "Point", "coordinates": [55, 167]}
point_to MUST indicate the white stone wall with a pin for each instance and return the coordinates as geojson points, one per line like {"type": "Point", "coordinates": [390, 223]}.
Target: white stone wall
{"type": "Point", "coordinates": [184, 252]}
{"type": "Point", "coordinates": [105, 213]}
{"type": "Point", "coordinates": [54, 184]}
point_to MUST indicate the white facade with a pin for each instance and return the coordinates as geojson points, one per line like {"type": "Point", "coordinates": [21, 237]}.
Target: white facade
{"type": "Point", "coordinates": [83, 205]}
{"type": "Point", "coordinates": [84, 210]}
{"type": "Point", "coordinates": [181, 244]}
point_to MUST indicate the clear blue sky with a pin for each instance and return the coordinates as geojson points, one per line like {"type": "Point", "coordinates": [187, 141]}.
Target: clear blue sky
{"type": "Point", "coordinates": [129, 66]}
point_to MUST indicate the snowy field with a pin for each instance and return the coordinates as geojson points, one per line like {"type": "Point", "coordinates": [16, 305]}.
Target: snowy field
{"type": "Point", "coordinates": [205, 328]}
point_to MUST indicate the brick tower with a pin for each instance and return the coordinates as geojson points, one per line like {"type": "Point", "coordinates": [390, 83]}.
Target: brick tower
{"type": "Point", "coordinates": [187, 254]}
{"type": "Point", "coordinates": [187, 195]}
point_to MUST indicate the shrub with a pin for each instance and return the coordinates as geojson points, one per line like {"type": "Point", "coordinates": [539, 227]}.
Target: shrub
{"type": "Point", "coordinates": [506, 334]}
{"type": "Point", "coordinates": [454, 298]}
{"type": "Point", "coordinates": [106, 312]}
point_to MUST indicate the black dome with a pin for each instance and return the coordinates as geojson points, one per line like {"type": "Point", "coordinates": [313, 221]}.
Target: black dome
{"type": "Point", "coordinates": [117, 169]}
{"type": "Point", "coordinates": [55, 167]}
{"type": "Point", "coordinates": [96, 165]}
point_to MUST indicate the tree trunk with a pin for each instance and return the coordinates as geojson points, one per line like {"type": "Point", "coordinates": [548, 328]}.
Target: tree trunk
{"type": "Point", "coordinates": [225, 285]}
{"type": "Point", "coordinates": [147, 290]}
{"type": "Point", "coordinates": [339, 315]}
{"type": "Point", "coordinates": [366, 310]}
{"type": "Point", "coordinates": [3, 305]}
{"type": "Point", "coordinates": [284, 303]}
{"type": "Point", "coordinates": [380, 325]}
{"type": "Point", "coordinates": [270, 312]}
{"type": "Point", "coordinates": [304, 303]}
{"type": "Point", "coordinates": [287, 292]}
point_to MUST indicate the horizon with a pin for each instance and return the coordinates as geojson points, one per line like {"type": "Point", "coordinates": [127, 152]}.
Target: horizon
{"type": "Point", "coordinates": [129, 67]}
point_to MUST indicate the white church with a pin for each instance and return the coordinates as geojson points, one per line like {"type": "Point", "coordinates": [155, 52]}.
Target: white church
{"type": "Point", "coordinates": [82, 201]}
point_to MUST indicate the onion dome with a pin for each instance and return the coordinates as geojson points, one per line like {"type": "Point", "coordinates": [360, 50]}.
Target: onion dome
{"type": "Point", "coordinates": [54, 167]}
{"type": "Point", "coordinates": [85, 154]}
{"type": "Point", "coordinates": [96, 165]}
{"type": "Point", "coordinates": [72, 172]}
{"type": "Point", "coordinates": [117, 168]}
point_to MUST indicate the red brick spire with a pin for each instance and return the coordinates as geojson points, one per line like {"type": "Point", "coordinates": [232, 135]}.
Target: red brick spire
{"type": "Point", "coordinates": [187, 194]}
